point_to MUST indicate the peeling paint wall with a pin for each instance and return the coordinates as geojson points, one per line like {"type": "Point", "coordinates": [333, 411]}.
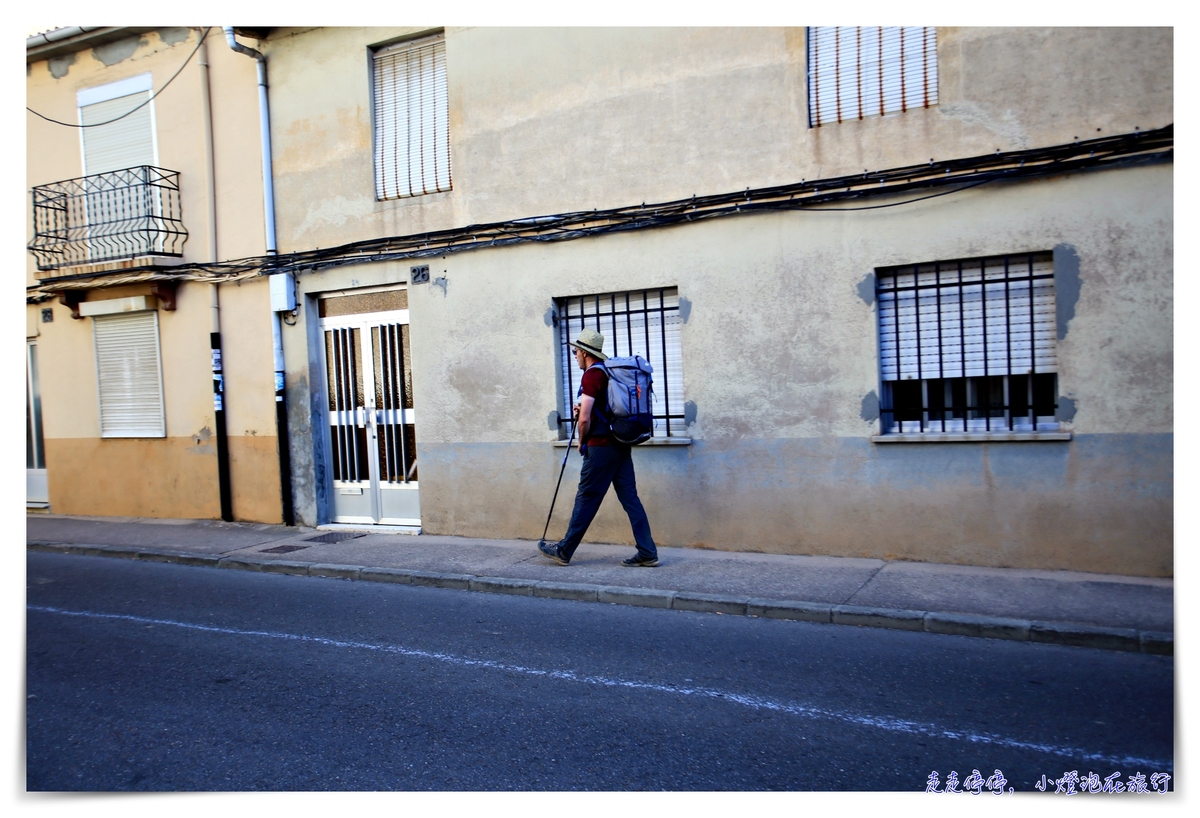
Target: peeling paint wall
{"type": "Point", "coordinates": [781, 366]}
{"type": "Point", "coordinates": [780, 347]}
{"type": "Point", "coordinates": [550, 120]}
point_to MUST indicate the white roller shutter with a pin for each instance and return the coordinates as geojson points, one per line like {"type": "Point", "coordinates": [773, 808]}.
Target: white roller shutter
{"type": "Point", "coordinates": [992, 316]}
{"type": "Point", "coordinates": [129, 372]}
{"type": "Point", "coordinates": [861, 71]}
{"type": "Point", "coordinates": [124, 143]}
{"type": "Point", "coordinates": [412, 130]}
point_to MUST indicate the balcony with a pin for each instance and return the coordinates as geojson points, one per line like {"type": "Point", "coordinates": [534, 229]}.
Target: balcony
{"type": "Point", "coordinates": [124, 214]}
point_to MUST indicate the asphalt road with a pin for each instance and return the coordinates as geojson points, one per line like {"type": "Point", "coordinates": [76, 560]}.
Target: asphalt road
{"type": "Point", "coordinates": [145, 676]}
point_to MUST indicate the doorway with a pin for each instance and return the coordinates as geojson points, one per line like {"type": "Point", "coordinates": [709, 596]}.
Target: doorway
{"type": "Point", "coordinates": [370, 439]}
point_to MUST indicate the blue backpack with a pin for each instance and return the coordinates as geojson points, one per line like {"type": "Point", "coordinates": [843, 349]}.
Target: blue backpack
{"type": "Point", "coordinates": [630, 397]}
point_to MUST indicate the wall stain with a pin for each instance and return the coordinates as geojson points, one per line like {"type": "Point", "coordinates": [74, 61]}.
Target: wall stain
{"type": "Point", "coordinates": [689, 412]}
{"type": "Point", "coordinates": [202, 445]}
{"type": "Point", "coordinates": [685, 309]}
{"type": "Point", "coordinates": [552, 420]}
{"type": "Point", "coordinates": [989, 478]}
{"type": "Point", "coordinates": [969, 112]}
{"type": "Point", "coordinates": [1066, 408]}
{"type": "Point", "coordinates": [551, 317]}
{"type": "Point", "coordinates": [302, 450]}
{"type": "Point", "coordinates": [442, 283]}
{"type": "Point", "coordinates": [1066, 286]}
{"type": "Point", "coordinates": [174, 35]}
{"type": "Point", "coordinates": [113, 53]}
{"type": "Point", "coordinates": [870, 407]}
{"type": "Point", "coordinates": [866, 289]}
{"type": "Point", "coordinates": [59, 66]}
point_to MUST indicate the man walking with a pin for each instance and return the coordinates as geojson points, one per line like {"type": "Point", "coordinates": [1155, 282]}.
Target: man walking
{"type": "Point", "coordinates": [605, 461]}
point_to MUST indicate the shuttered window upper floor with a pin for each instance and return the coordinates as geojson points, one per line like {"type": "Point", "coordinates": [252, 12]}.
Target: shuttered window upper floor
{"type": "Point", "coordinates": [861, 71]}
{"type": "Point", "coordinates": [118, 120]}
{"type": "Point", "coordinates": [411, 119]}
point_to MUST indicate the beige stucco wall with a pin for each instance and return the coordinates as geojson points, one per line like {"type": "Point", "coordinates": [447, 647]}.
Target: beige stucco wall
{"type": "Point", "coordinates": [780, 360]}
{"type": "Point", "coordinates": [175, 476]}
{"type": "Point", "coordinates": [780, 346]}
{"type": "Point", "coordinates": [547, 120]}
{"type": "Point", "coordinates": [779, 341]}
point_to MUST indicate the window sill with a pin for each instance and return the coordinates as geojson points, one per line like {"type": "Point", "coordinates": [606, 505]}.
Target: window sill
{"type": "Point", "coordinates": [652, 443]}
{"type": "Point", "coordinates": [970, 437]}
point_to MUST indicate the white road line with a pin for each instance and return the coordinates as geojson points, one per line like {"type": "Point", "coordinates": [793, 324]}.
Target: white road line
{"type": "Point", "coordinates": [751, 701]}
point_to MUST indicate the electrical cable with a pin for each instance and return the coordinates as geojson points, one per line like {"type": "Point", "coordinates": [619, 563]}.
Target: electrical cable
{"type": "Point", "coordinates": [897, 204]}
{"type": "Point", "coordinates": [131, 110]}
{"type": "Point", "coordinates": [963, 174]}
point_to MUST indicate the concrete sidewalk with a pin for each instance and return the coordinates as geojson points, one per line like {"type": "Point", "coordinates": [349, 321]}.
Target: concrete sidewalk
{"type": "Point", "coordinates": [1057, 607]}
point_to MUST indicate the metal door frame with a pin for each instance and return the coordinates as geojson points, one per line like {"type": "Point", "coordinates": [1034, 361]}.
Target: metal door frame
{"type": "Point", "coordinates": [369, 416]}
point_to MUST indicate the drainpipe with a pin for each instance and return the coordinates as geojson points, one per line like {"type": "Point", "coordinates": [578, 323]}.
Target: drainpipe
{"type": "Point", "coordinates": [285, 466]}
{"type": "Point", "coordinates": [214, 335]}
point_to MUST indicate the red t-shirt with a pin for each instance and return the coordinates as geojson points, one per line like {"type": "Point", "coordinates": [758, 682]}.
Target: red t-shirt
{"type": "Point", "coordinates": [595, 385]}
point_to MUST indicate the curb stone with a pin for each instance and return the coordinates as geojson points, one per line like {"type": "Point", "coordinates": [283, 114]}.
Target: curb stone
{"type": "Point", "coordinates": [325, 569]}
{"type": "Point", "coordinates": [122, 552]}
{"type": "Point", "coordinates": [709, 603]}
{"type": "Point", "coordinates": [182, 559]}
{"type": "Point", "coordinates": [1159, 643]}
{"type": "Point", "coordinates": [567, 590]}
{"type": "Point", "coordinates": [394, 575]}
{"type": "Point", "coordinates": [971, 625]}
{"type": "Point", "coordinates": [432, 579]}
{"type": "Point", "coordinates": [285, 567]}
{"type": "Point", "coordinates": [1085, 636]}
{"type": "Point", "coordinates": [1049, 633]}
{"type": "Point", "coordinates": [502, 585]}
{"type": "Point", "coordinates": [796, 611]}
{"type": "Point", "coordinates": [240, 563]}
{"type": "Point", "coordinates": [644, 597]}
{"type": "Point", "coordinates": [878, 617]}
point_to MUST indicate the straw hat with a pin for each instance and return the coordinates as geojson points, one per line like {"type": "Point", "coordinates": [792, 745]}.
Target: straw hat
{"type": "Point", "coordinates": [591, 342]}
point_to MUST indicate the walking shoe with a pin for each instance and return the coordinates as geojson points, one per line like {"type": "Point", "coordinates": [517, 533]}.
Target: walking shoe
{"type": "Point", "coordinates": [638, 561]}
{"type": "Point", "coordinates": [551, 551]}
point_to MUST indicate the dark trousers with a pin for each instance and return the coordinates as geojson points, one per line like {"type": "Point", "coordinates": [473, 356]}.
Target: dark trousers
{"type": "Point", "coordinates": [604, 465]}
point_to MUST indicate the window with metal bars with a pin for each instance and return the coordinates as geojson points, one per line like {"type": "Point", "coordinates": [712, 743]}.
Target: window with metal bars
{"type": "Point", "coordinates": [411, 119]}
{"type": "Point", "coordinates": [860, 71]}
{"type": "Point", "coordinates": [968, 345]}
{"type": "Point", "coordinates": [638, 322]}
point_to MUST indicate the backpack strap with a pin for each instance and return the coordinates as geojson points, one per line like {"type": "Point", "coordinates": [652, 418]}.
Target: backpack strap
{"type": "Point", "coordinates": [602, 413]}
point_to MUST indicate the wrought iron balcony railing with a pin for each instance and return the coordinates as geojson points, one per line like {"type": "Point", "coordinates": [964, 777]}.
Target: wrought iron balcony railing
{"type": "Point", "coordinates": [113, 216]}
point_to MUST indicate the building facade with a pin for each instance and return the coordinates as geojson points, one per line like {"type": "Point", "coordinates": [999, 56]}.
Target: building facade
{"type": "Point", "coordinates": [144, 162]}
{"type": "Point", "coordinates": [907, 292]}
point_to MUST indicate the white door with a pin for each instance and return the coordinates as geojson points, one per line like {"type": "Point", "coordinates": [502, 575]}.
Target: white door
{"type": "Point", "coordinates": [370, 441]}
{"type": "Point", "coordinates": [37, 493]}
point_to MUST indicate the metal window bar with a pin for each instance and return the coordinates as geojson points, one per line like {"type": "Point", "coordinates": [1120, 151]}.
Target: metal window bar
{"type": "Point", "coordinates": [396, 457]}
{"type": "Point", "coordinates": [349, 442]}
{"type": "Point", "coordinates": [987, 418]}
{"type": "Point", "coordinates": [334, 368]}
{"type": "Point", "coordinates": [638, 322]}
{"type": "Point", "coordinates": [344, 405]}
{"type": "Point", "coordinates": [122, 214]}
{"type": "Point", "coordinates": [937, 279]}
{"type": "Point", "coordinates": [980, 336]}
